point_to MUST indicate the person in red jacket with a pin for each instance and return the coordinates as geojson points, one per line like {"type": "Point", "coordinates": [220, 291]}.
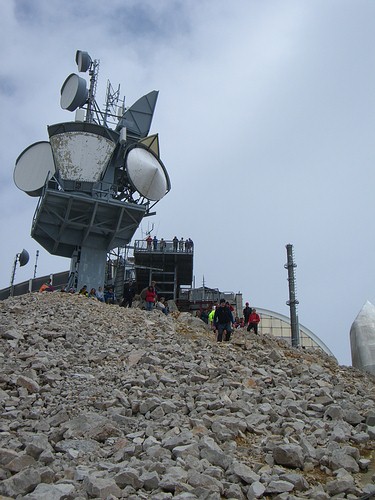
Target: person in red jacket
{"type": "Point", "coordinates": [254, 320]}
{"type": "Point", "coordinates": [150, 298]}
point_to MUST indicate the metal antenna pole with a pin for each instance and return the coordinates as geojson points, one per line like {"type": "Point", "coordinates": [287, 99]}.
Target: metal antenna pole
{"type": "Point", "coordinates": [36, 263]}
{"type": "Point", "coordinates": [93, 72]}
{"type": "Point", "coordinates": [111, 101]}
{"type": "Point", "coordinates": [13, 275]}
{"type": "Point", "coordinates": [292, 302]}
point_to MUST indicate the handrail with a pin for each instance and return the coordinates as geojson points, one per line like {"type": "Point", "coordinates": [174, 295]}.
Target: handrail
{"type": "Point", "coordinates": [164, 246]}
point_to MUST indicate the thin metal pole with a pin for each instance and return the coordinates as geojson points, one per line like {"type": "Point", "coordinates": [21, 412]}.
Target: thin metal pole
{"type": "Point", "coordinates": [36, 263]}
{"type": "Point", "coordinates": [292, 302]}
{"type": "Point", "coordinates": [13, 275]}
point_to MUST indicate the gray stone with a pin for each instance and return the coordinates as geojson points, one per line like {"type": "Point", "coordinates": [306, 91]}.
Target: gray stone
{"type": "Point", "coordinates": [101, 487]}
{"type": "Point", "coordinates": [290, 455]}
{"type": "Point", "coordinates": [245, 473]}
{"type": "Point", "coordinates": [173, 478]}
{"type": "Point", "coordinates": [21, 483]}
{"type": "Point", "coordinates": [51, 492]}
{"type": "Point", "coordinates": [256, 490]}
{"type": "Point", "coordinates": [129, 476]}
{"type": "Point", "coordinates": [340, 460]}
{"type": "Point", "coordinates": [150, 480]}
{"type": "Point", "coordinates": [279, 486]}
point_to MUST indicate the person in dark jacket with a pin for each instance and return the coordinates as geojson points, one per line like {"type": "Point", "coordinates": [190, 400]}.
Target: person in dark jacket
{"type": "Point", "coordinates": [223, 319]}
{"type": "Point", "coordinates": [246, 313]}
{"type": "Point", "coordinates": [128, 295]}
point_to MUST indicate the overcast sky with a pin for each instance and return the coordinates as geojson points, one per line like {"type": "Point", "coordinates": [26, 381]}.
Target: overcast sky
{"type": "Point", "coordinates": [266, 125]}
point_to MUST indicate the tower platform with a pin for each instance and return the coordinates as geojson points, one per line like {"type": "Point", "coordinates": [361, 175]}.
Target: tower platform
{"type": "Point", "coordinates": [169, 267]}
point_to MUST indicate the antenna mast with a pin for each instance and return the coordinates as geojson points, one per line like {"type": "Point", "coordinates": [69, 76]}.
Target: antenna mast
{"type": "Point", "coordinates": [111, 102]}
{"type": "Point", "coordinates": [36, 262]}
{"type": "Point", "coordinates": [292, 302]}
{"type": "Point", "coordinates": [93, 72]}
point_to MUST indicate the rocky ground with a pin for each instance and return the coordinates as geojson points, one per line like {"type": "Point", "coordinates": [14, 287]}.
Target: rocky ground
{"type": "Point", "coordinates": [98, 401]}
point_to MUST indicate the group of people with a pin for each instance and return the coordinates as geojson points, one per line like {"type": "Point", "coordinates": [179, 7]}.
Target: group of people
{"type": "Point", "coordinates": [222, 321]}
{"type": "Point", "coordinates": [182, 245]}
{"type": "Point", "coordinates": [150, 295]}
{"type": "Point", "coordinates": [108, 295]}
{"type": "Point", "coordinates": [153, 300]}
{"type": "Point", "coordinates": [178, 245]}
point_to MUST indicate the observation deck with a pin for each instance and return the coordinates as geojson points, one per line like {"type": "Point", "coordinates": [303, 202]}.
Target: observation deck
{"type": "Point", "coordinates": [169, 265]}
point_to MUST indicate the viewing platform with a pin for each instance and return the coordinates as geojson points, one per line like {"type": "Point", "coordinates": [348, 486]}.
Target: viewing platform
{"type": "Point", "coordinates": [169, 264]}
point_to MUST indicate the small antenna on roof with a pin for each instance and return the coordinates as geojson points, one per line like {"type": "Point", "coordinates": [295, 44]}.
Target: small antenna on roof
{"type": "Point", "coordinates": [36, 263]}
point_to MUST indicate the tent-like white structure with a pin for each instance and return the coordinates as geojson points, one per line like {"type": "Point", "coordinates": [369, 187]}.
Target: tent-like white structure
{"type": "Point", "coordinates": [362, 339]}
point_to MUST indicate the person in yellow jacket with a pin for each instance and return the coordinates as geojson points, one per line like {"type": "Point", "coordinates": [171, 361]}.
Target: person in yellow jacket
{"type": "Point", "coordinates": [211, 318]}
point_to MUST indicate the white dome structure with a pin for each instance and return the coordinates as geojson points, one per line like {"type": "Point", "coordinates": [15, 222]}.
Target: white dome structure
{"type": "Point", "coordinates": [362, 339]}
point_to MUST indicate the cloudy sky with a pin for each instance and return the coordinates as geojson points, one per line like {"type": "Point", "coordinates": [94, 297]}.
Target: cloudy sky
{"type": "Point", "coordinates": [266, 124]}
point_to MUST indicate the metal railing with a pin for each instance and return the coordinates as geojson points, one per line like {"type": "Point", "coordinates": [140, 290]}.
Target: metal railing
{"type": "Point", "coordinates": [167, 246]}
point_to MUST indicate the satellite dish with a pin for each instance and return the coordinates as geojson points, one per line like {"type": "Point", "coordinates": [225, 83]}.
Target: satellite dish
{"type": "Point", "coordinates": [137, 119]}
{"type": "Point", "coordinates": [83, 61]}
{"type": "Point", "coordinates": [23, 258]}
{"type": "Point", "coordinates": [33, 167]}
{"type": "Point", "coordinates": [74, 93]}
{"type": "Point", "coordinates": [147, 173]}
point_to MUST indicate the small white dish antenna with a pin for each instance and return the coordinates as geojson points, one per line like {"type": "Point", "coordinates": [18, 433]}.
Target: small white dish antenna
{"type": "Point", "coordinates": [34, 166]}
{"type": "Point", "coordinates": [74, 93]}
{"type": "Point", "coordinates": [147, 173]}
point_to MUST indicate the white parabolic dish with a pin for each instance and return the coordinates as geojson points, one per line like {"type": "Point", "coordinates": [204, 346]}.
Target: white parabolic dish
{"type": "Point", "coordinates": [33, 167]}
{"type": "Point", "coordinates": [74, 93]}
{"type": "Point", "coordinates": [147, 174]}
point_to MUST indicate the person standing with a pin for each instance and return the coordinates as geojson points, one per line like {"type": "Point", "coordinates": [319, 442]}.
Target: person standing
{"type": "Point", "coordinates": [204, 316]}
{"type": "Point", "coordinates": [155, 243]}
{"type": "Point", "coordinates": [254, 320]}
{"type": "Point", "coordinates": [181, 244]}
{"type": "Point", "coordinates": [246, 313]}
{"type": "Point", "coordinates": [162, 244]}
{"type": "Point", "coordinates": [149, 242]}
{"type": "Point", "coordinates": [128, 295]}
{"type": "Point", "coordinates": [223, 319]}
{"type": "Point", "coordinates": [175, 243]}
{"type": "Point", "coordinates": [150, 298]}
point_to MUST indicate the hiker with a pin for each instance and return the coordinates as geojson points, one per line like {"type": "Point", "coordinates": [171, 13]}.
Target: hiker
{"type": "Point", "coordinates": [175, 243]}
{"type": "Point", "coordinates": [109, 296]}
{"type": "Point", "coordinates": [150, 298]}
{"type": "Point", "coordinates": [47, 287]}
{"type": "Point", "coordinates": [149, 242]}
{"type": "Point", "coordinates": [100, 294]}
{"type": "Point", "coordinates": [162, 244]}
{"type": "Point", "coordinates": [128, 295]}
{"type": "Point", "coordinates": [162, 306]}
{"type": "Point", "coordinates": [246, 313]}
{"type": "Point", "coordinates": [211, 315]}
{"type": "Point", "coordinates": [84, 291]}
{"type": "Point", "coordinates": [254, 320]}
{"type": "Point", "coordinates": [204, 316]}
{"type": "Point", "coordinates": [223, 319]}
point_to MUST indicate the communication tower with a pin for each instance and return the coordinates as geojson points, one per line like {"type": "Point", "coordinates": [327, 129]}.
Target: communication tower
{"type": "Point", "coordinates": [95, 183]}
